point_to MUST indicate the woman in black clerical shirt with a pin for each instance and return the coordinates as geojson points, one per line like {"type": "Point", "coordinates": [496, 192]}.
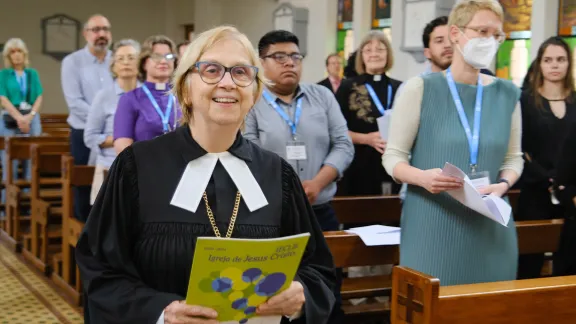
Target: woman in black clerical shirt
{"type": "Point", "coordinates": [136, 250]}
{"type": "Point", "coordinates": [363, 99]}
{"type": "Point", "coordinates": [548, 113]}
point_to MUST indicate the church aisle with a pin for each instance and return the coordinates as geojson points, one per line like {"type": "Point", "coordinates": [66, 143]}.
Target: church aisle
{"type": "Point", "coordinates": [26, 297]}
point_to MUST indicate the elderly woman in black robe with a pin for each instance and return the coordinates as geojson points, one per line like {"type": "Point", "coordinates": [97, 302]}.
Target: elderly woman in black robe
{"type": "Point", "coordinates": [136, 250]}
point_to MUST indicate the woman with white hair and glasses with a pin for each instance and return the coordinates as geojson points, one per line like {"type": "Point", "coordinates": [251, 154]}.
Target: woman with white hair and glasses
{"type": "Point", "coordinates": [472, 121]}
{"type": "Point", "coordinates": [21, 98]}
{"type": "Point", "coordinates": [135, 252]}
{"type": "Point", "coordinates": [98, 134]}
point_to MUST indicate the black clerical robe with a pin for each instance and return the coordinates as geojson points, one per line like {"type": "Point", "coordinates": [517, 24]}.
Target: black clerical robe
{"type": "Point", "coordinates": [136, 250]}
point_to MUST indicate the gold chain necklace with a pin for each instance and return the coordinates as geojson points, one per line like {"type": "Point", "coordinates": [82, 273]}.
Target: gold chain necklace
{"type": "Point", "coordinates": [232, 219]}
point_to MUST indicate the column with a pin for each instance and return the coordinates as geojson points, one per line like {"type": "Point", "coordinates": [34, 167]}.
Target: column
{"type": "Point", "coordinates": [544, 23]}
{"type": "Point", "coordinates": [362, 19]}
{"type": "Point", "coordinates": [322, 25]}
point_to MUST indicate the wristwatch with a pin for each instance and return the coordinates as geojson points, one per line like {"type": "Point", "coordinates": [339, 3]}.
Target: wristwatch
{"type": "Point", "coordinates": [502, 180]}
{"type": "Point", "coordinates": [33, 113]}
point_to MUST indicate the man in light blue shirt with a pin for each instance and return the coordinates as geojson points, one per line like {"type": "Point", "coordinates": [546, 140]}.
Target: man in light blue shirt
{"type": "Point", "coordinates": [84, 73]}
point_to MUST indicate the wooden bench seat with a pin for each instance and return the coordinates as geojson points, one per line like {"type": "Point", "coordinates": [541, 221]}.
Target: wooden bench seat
{"type": "Point", "coordinates": [419, 299]}
{"type": "Point", "coordinates": [367, 310]}
{"type": "Point", "coordinates": [362, 287]}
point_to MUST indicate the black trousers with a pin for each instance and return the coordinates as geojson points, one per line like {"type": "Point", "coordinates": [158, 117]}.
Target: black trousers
{"type": "Point", "coordinates": [81, 155]}
{"type": "Point", "coordinates": [328, 222]}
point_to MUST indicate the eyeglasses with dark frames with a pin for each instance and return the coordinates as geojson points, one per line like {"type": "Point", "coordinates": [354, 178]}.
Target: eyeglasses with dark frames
{"type": "Point", "coordinates": [282, 57]}
{"type": "Point", "coordinates": [212, 73]}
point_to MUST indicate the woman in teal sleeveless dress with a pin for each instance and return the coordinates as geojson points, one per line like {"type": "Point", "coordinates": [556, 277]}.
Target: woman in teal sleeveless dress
{"type": "Point", "coordinates": [440, 236]}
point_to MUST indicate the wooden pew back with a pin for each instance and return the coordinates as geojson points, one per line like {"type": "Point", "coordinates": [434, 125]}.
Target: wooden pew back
{"type": "Point", "coordinates": [18, 148]}
{"type": "Point", "coordinates": [368, 209]}
{"type": "Point", "coordinates": [46, 162]}
{"type": "Point", "coordinates": [418, 299]}
{"type": "Point", "coordinates": [73, 176]}
{"type": "Point", "coordinates": [68, 278]}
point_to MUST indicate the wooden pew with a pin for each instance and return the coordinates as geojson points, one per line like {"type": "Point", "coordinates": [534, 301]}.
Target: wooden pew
{"type": "Point", "coordinates": [380, 209]}
{"type": "Point", "coordinates": [66, 274]}
{"type": "Point", "coordinates": [45, 236]}
{"type": "Point", "coordinates": [18, 148]}
{"type": "Point", "coordinates": [348, 250]}
{"type": "Point", "coordinates": [55, 124]}
{"type": "Point", "coordinates": [368, 209]}
{"type": "Point", "coordinates": [417, 298]}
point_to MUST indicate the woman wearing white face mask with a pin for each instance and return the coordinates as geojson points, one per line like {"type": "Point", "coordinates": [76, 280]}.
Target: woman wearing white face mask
{"type": "Point", "coordinates": [472, 121]}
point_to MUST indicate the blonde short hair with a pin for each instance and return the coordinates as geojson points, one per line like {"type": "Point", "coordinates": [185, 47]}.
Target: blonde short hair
{"type": "Point", "coordinates": [195, 50]}
{"type": "Point", "coordinates": [464, 11]}
{"type": "Point", "coordinates": [381, 37]}
{"type": "Point", "coordinates": [15, 43]}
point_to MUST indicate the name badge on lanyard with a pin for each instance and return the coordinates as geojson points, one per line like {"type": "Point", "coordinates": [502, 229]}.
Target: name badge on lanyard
{"type": "Point", "coordinates": [165, 117]}
{"type": "Point", "coordinates": [295, 150]}
{"type": "Point", "coordinates": [23, 89]}
{"type": "Point", "coordinates": [482, 178]}
{"type": "Point", "coordinates": [377, 101]}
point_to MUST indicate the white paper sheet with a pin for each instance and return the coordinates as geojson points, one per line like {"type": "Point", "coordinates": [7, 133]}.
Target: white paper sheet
{"type": "Point", "coordinates": [377, 234]}
{"type": "Point", "coordinates": [490, 206]}
{"type": "Point", "coordinates": [384, 124]}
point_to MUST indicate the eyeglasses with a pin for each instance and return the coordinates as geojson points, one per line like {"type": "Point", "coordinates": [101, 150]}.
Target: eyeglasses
{"type": "Point", "coordinates": [158, 57]}
{"type": "Point", "coordinates": [282, 57]}
{"type": "Point", "coordinates": [376, 51]}
{"type": "Point", "coordinates": [98, 29]}
{"type": "Point", "coordinates": [487, 32]}
{"type": "Point", "coordinates": [212, 73]}
{"type": "Point", "coordinates": [129, 58]}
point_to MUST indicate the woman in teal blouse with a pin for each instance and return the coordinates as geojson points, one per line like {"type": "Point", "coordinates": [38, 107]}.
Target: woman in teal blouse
{"type": "Point", "coordinates": [20, 96]}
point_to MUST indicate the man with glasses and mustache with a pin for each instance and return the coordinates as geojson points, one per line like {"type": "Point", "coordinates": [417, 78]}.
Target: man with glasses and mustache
{"type": "Point", "coordinates": [84, 73]}
{"type": "Point", "coordinates": [304, 125]}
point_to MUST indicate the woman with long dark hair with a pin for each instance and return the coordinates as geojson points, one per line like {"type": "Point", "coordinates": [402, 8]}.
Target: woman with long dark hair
{"type": "Point", "coordinates": [548, 113]}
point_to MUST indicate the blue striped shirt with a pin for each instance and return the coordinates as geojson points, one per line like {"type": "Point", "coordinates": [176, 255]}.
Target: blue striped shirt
{"type": "Point", "coordinates": [82, 77]}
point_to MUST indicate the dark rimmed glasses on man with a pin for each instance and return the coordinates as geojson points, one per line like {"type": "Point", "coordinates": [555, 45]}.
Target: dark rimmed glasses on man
{"type": "Point", "coordinates": [212, 73]}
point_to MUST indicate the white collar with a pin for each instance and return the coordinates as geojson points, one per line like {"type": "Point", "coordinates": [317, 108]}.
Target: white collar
{"type": "Point", "coordinates": [197, 175]}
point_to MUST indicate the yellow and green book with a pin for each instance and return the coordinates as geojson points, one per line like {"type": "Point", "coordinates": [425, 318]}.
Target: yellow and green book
{"type": "Point", "coordinates": [235, 276]}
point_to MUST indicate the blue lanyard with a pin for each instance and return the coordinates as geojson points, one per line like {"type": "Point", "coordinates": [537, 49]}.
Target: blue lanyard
{"type": "Point", "coordinates": [166, 116]}
{"type": "Point", "coordinates": [377, 101]}
{"type": "Point", "coordinates": [280, 111]}
{"type": "Point", "coordinates": [473, 139]}
{"type": "Point", "coordinates": [22, 82]}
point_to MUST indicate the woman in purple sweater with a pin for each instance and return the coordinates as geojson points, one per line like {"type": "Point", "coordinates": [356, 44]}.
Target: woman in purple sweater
{"type": "Point", "coordinates": [149, 111]}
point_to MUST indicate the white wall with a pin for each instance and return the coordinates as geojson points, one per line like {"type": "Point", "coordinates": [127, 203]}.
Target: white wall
{"type": "Point", "coordinates": [251, 17]}
{"type": "Point", "coordinates": [405, 67]}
